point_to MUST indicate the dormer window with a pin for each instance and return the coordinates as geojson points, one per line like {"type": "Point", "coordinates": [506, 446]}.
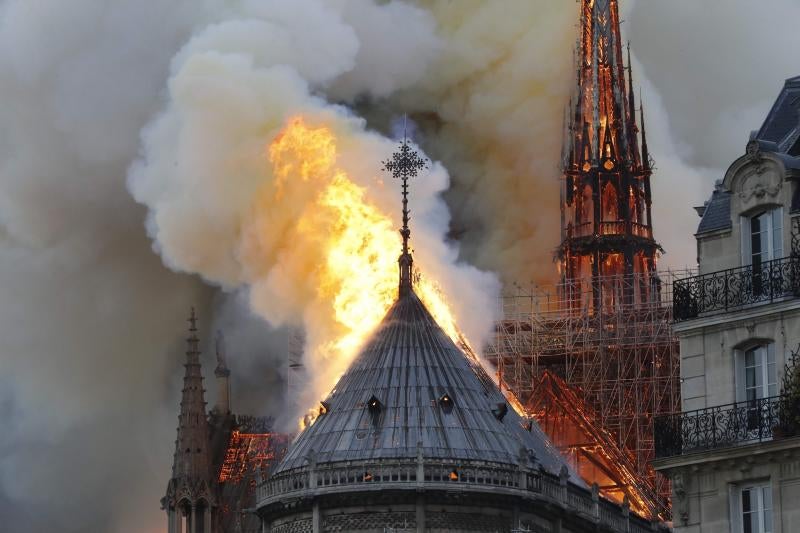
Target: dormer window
{"type": "Point", "coordinates": [374, 406]}
{"type": "Point", "coordinates": [446, 403]}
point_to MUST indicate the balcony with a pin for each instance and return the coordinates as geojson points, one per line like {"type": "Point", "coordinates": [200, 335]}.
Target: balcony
{"type": "Point", "coordinates": [736, 288]}
{"type": "Point", "coordinates": [725, 426]}
{"type": "Point", "coordinates": [587, 229]}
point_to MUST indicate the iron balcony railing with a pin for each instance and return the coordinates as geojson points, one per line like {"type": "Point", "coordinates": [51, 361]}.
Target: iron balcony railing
{"type": "Point", "coordinates": [735, 288]}
{"type": "Point", "coordinates": [724, 426]}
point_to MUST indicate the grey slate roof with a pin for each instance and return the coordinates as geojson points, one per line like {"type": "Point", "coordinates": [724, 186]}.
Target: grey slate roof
{"type": "Point", "coordinates": [717, 214]}
{"type": "Point", "coordinates": [782, 125]}
{"type": "Point", "coordinates": [409, 365]}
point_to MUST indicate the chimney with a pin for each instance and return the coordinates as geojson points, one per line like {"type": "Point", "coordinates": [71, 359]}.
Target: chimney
{"type": "Point", "coordinates": [222, 373]}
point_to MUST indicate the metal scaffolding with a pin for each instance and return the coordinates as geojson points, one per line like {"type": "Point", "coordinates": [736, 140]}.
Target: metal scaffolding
{"type": "Point", "coordinates": [621, 362]}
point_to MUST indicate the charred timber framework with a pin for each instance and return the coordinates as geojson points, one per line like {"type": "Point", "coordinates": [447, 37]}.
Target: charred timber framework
{"type": "Point", "coordinates": [606, 216]}
{"type": "Point", "coordinates": [605, 330]}
{"type": "Point", "coordinates": [623, 366]}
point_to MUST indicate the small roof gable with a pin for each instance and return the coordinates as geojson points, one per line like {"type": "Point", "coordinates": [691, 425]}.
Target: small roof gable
{"type": "Point", "coordinates": [717, 214]}
{"type": "Point", "coordinates": [431, 398]}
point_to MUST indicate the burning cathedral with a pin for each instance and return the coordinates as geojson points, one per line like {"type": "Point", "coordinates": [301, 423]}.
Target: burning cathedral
{"type": "Point", "coordinates": [416, 435]}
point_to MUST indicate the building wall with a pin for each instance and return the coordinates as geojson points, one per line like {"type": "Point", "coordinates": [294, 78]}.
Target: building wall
{"type": "Point", "coordinates": [706, 485]}
{"type": "Point", "coordinates": [704, 492]}
{"type": "Point", "coordinates": [709, 348]}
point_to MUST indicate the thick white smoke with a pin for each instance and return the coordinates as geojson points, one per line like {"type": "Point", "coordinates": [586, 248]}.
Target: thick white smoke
{"type": "Point", "coordinates": [91, 322]}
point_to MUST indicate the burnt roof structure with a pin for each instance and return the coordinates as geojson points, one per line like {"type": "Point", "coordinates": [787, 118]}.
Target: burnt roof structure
{"type": "Point", "coordinates": [416, 436]}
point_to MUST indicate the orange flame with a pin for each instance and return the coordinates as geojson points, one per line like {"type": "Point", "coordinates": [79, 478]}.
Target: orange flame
{"type": "Point", "coordinates": [358, 275]}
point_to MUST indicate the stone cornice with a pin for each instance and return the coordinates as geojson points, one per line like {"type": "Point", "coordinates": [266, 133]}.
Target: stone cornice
{"type": "Point", "coordinates": [732, 319]}
{"type": "Point", "coordinates": [757, 453]}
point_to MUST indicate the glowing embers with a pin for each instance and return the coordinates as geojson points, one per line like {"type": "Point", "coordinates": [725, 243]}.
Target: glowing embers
{"type": "Point", "coordinates": [453, 475]}
{"type": "Point", "coordinates": [250, 453]}
{"type": "Point", "coordinates": [374, 406]}
{"type": "Point", "coordinates": [446, 403]}
{"type": "Point", "coordinates": [324, 408]}
{"type": "Point", "coordinates": [375, 409]}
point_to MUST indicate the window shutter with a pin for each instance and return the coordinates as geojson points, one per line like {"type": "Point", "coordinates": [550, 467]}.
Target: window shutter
{"type": "Point", "coordinates": [744, 228]}
{"type": "Point", "coordinates": [777, 233]}
{"type": "Point", "coordinates": [739, 381]}
{"type": "Point", "coordinates": [772, 381]}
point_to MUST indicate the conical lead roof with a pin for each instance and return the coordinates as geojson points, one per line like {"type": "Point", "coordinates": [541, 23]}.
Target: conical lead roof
{"type": "Point", "coordinates": [412, 389]}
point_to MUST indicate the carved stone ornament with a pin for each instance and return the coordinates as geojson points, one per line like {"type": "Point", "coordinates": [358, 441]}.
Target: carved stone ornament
{"type": "Point", "coordinates": [759, 187]}
{"type": "Point", "coordinates": [755, 156]}
{"type": "Point", "coordinates": [680, 503]}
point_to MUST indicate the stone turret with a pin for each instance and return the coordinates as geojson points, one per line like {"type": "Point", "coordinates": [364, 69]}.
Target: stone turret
{"type": "Point", "coordinates": [189, 501]}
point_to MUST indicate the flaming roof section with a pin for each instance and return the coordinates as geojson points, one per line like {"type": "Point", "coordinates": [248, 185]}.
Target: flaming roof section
{"type": "Point", "coordinates": [251, 454]}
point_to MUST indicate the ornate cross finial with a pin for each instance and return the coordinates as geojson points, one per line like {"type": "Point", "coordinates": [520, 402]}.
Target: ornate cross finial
{"type": "Point", "coordinates": [192, 341]}
{"type": "Point", "coordinates": [405, 163]}
{"type": "Point", "coordinates": [192, 320]}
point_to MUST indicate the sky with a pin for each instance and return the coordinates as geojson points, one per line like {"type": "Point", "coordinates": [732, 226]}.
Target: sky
{"type": "Point", "coordinates": [132, 144]}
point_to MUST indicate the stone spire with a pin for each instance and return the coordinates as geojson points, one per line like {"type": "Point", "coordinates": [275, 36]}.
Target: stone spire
{"type": "Point", "coordinates": [192, 460]}
{"type": "Point", "coordinates": [190, 500]}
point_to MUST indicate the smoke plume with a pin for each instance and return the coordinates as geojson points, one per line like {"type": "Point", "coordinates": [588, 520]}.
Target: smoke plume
{"type": "Point", "coordinates": [177, 101]}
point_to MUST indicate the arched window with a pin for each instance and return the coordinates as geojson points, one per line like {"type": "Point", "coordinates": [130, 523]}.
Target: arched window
{"type": "Point", "coordinates": [610, 203]}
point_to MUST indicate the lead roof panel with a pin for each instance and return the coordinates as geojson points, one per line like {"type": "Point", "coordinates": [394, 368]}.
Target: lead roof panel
{"type": "Point", "coordinates": [408, 364]}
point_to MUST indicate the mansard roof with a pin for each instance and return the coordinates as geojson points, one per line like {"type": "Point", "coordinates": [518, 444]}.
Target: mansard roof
{"type": "Point", "coordinates": [717, 214]}
{"type": "Point", "coordinates": [782, 125]}
{"type": "Point", "coordinates": [412, 390]}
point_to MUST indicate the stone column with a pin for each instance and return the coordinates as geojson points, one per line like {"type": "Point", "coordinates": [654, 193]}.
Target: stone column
{"type": "Point", "coordinates": [420, 513]}
{"type": "Point", "coordinates": [316, 518]}
{"type": "Point", "coordinates": [178, 517]}
{"type": "Point", "coordinates": [207, 519]}
{"type": "Point", "coordinates": [191, 523]}
{"type": "Point", "coordinates": [170, 521]}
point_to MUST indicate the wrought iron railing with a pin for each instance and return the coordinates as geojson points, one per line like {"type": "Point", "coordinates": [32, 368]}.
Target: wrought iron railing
{"type": "Point", "coordinates": [735, 288]}
{"type": "Point", "coordinates": [722, 426]}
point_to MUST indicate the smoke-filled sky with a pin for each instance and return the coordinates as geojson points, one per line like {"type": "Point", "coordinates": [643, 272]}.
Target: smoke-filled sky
{"type": "Point", "coordinates": [133, 147]}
